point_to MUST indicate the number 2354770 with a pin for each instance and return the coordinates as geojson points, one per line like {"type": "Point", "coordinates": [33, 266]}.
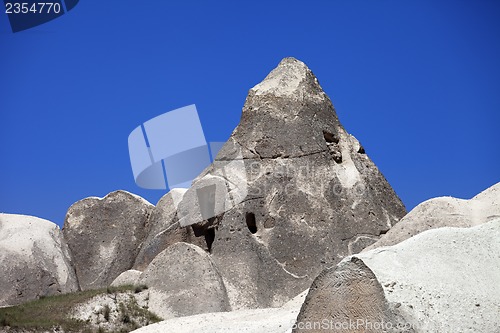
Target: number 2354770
{"type": "Point", "coordinates": [32, 8]}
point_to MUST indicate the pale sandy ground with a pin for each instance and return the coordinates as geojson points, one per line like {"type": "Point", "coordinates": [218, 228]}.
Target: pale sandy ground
{"type": "Point", "coordinates": [273, 320]}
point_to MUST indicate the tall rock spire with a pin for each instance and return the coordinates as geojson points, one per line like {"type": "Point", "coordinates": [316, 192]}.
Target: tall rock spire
{"type": "Point", "coordinates": [291, 79]}
{"type": "Point", "coordinates": [311, 194]}
{"type": "Point", "coordinates": [286, 114]}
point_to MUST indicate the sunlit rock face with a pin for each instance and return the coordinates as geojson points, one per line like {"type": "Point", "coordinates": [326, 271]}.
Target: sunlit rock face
{"type": "Point", "coordinates": [444, 212]}
{"type": "Point", "coordinates": [303, 193]}
{"type": "Point", "coordinates": [105, 235]}
{"type": "Point", "coordinates": [34, 260]}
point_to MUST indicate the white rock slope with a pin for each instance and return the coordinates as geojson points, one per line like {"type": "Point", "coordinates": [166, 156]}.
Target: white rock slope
{"type": "Point", "coordinates": [34, 260]}
{"type": "Point", "coordinates": [272, 320]}
{"type": "Point", "coordinates": [442, 280]}
{"type": "Point", "coordinates": [444, 212]}
{"type": "Point", "coordinates": [447, 280]}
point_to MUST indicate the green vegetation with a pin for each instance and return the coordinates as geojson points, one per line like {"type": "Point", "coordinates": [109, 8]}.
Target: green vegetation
{"type": "Point", "coordinates": [140, 288]}
{"type": "Point", "coordinates": [53, 311]}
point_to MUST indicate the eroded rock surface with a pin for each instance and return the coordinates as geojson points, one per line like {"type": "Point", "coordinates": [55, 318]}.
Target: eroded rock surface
{"type": "Point", "coordinates": [130, 277]}
{"type": "Point", "coordinates": [182, 280]}
{"type": "Point", "coordinates": [301, 192]}
{"type": "Point", "coordinates": [104, 236]}
{"type": "Point", "coordinates": [163, 229]}
{"type": "Point", "coordinates": [442, 280]}
{"type": "Point", "coordinates": [444, 212]}
{"type": "Point", "coordinates": [34, 260]}
{"type": "Point", "coordinates": [348, 299]}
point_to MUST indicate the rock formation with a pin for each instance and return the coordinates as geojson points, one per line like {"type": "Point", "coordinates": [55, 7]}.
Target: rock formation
{"type": "Point", "coordinates": [104, 236]}
{"type": "Point", "coordinates": [426, 283]}
{"type": "Point", "coordinates": [311, 194]}
{"type": "Point", "coordinates": [349, 299]}
{"type": "Point", "coordinates": [442, 280]}
{"type": "Point", "coordinates": [183, 281]}
{"type": "Point", "coordinates": [34, 260]}
{"type": "Point", "coordinates": [130, 277]}
{"type": "Point", "coordinates": [291, 195]}
{"type": "Point", "coordinates": [444, 212]}
{"type": "Point", "coordinates": [163, 230]}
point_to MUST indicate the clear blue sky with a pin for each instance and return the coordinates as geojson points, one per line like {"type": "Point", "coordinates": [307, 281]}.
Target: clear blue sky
{"type": "Point", "coordinates": [417, 82]}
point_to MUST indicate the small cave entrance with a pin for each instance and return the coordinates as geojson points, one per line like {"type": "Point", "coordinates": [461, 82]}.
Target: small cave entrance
{"type": "Point", "coordinates": [209, 238]}
{"type": "Point", "coordinates": [251, 224]}
{"type": "Point", "coordinates": [207, 231]}
{"type": "Point", "coordinates": [330, 138]}
{"type": "Point", "coordinates": [332, 142]}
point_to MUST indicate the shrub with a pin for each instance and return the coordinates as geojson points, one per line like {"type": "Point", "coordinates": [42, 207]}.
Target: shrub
{"type": "Point", "coordinates": [125, 318]}
{"type": "Point", "coordinates": [4, 322]}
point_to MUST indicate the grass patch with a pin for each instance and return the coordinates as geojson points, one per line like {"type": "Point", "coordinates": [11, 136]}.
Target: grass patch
{"type": "Point", "coordinates": [140, 288]}
{"type": "Point", "coordinates": [52, 311]}
{"type": "Point", "coordinates": [132, 310]}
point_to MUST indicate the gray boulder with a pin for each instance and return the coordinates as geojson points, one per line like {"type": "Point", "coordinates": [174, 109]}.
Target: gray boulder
{"type": "Point", "coordinates": [349, 299]}
{"type": "Point", "coordinates": [183, 281]}
{"type": "Point", "coordinates": [164, 230]}
{"type": "Point", "coordinates": [293, 193]}
{"type": "Point", "coordinates": [104, 236]}
{"type": "Point", "coordinates": [441, 280]}
{"type": "Point", "coordinates": [130, 277]}
{"type": "Point", "coordinates": [444, 212]}
{"type": "Point", "coordinates": [34, 260]}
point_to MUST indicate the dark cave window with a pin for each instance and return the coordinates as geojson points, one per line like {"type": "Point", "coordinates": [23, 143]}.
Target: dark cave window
{"type": "Point", "coordinates": [209, 238]}
{"type": "Point", "coordinates": [330, 138]}
{"type": "Point", "coordinates": [251, 224]}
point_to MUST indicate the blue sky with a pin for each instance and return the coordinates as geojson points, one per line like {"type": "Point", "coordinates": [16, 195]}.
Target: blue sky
{"type": "Point", "coordinates": [417, 82]}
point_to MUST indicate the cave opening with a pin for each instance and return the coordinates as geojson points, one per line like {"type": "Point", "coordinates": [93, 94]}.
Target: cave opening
{"type": "Point", "coordinates": [330, 138]}
{"type": "Point", "coordinates": [207, 231]}
{"type": "Point", "coordinates": [209, 238]}
{"type": "Point", "coordinates": [251, 224]}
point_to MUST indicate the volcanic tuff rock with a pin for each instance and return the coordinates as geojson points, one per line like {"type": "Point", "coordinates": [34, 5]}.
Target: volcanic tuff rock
{"type": "Point", "coordinates": [442, 280]}
{"type": "Point", "coordinates": [184, 281]}
{"type": "Point", "coordinates": [348, 295]}
{"type": "Point", "coordinates": [163, 229]}
{"type": "Point", "coordinates": [311, 197]}
{"type": "Point", "coordinates": [444, 212]}
{"type": "Point", "coordinates": [130, 277]}
{"type": "Point", "coordinates": [104, 236]}
{"type": "Point", "coordinates": [34, 260]}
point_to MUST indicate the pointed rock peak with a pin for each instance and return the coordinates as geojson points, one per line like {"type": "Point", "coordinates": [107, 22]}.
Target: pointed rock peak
{"type": "Point", "coordinates": [291, 77]}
